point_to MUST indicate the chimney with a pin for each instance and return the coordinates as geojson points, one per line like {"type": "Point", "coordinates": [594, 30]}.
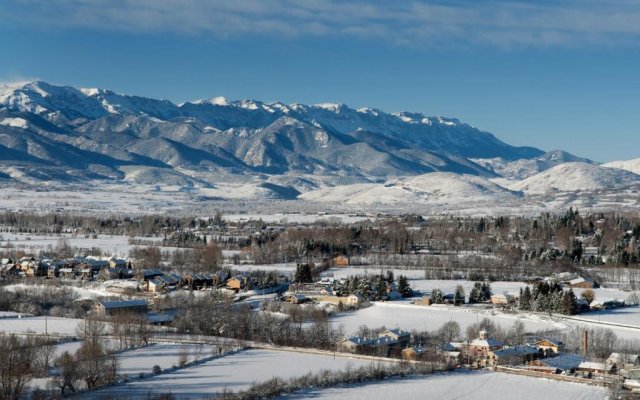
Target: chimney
{"type": "Point", "coordinates": [585, 343]}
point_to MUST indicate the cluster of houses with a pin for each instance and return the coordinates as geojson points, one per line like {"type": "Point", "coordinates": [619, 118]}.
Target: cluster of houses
{"type": "Point", "coordinates": [87, 268]}
{"type": "Point", "coordinates": [543, 356]}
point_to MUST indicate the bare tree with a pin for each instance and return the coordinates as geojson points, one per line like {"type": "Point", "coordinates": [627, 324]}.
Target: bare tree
{"type": "Point", "coordinates": [17, 365]}
{"type": "Point", "coordinates": [68, 373]}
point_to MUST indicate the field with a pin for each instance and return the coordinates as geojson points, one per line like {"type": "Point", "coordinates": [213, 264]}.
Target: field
{"type": "Point", "coordinates": [405, 316]}
{"type": "Point", "coordinates": [235, 372]}
{"type": "Point", "coordinates": [463, 385]}
{"type": "Point", "coordinates": [51, 325]}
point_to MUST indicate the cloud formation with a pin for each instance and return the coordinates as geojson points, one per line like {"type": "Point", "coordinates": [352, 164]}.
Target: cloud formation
{"type": "Point", "coordinates": [432, 23]}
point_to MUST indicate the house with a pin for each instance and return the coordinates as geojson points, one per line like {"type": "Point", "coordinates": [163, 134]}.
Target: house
{"type": "Point", "coordinates": [618, 361]}
{"type": "Point", "coordinates": [155, 285]}
{"type": "Point", "coordinates": [516, 355]}
{"type": "Point", "coordinates": [606, 304]}
{"type": "Point", "coordinates": [414, 353]}
{"type": "Point", "coordinates": [582, 283]}
{"type": "Point", "coordinates": [549, 347]}
{"type": "Point", "coordinates": [384, 346]}
{"type": "Point", "coordinates": [452, 352]}
{"type": "Point", "coordinates": [239, 282]}
{"type": "Point", "coordinates": [354, 344]}
{"type": "Point", "coordinates": [501, 299]}
{"type": "Point", "coordinates": [402, 337]}
{"type": "Point", "coordinates": [110, 308]}
{"type": "Point", "coordinates": [118, 263]}
{"type": "Point", "coordinates": [296, 298]}
{"type": "Point", "coordinates": [353, 300]}
{"type": "Point", "coordinates": [340, 261]}
{"type": "Point", "coordinates": [563, 363]}
{"type": "Point", "coordinates": [592, 368]}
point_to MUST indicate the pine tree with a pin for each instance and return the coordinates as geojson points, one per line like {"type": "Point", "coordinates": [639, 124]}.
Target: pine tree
{"type": "Point", "coordinates": [459, 296]}
{"type": "Point", "coordinates": [525, 299]}
{"type": "Point", "coordinates": [437, 297]}
{"type": "Point", "coordinates": [381, 287]}
{"type": "Point", "coordinates": [403, 286]}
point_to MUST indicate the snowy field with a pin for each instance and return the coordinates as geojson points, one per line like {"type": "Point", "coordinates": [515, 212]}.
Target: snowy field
{"type": "Point", "coordinates": [51, 325]}
{"type": "Point", "coordinates": [164, 355]}
{"type": "Point", "coordinates": [109, 244]}
{"type": "Point", "coordinates": [626, 316]}
{"type": "Point", "coordinates": [462, 385]}
{"type": "Point", "coordinates": [235, 372]}
{"type": "Point", "coordinates": [406, 316]}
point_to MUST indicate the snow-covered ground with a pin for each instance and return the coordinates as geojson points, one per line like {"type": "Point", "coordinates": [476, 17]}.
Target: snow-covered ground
{"type": "Point", "coordinates": [92, 291]}
{"type": "Point", "coordinates": [51, 325]}
{"type": "Point", "coordinates": [164, 355]}
{"type": "Point", "coordinates": [462, 385]}
{"type": "Point", "coordinates": [626, 315]}
{"type": "Point", "coordinates": [115, 245]}
{"type": "Point", "coordinates": [407, 316]}
{"type": "Point", "coordinates": [235, 372]}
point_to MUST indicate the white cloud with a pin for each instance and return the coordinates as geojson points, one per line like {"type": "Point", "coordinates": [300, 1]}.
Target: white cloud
{"type": "Point", "coordinates": [417, 23]}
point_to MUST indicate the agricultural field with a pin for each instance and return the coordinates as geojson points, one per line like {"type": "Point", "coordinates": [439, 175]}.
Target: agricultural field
{"type": "Point", "coordinates": [409, 317]}
{"type": "Point", "coordinates": [236, 372]}
{"type": "Point", "coordinates": [462, 385]}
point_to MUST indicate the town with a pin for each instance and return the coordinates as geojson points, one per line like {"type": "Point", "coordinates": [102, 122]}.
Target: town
{"type": "Point", "coordinates": [369, 291]}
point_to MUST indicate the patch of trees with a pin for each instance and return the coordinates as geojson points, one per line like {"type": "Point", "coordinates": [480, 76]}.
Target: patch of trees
{"type": "Point", "coordinates": [43, 300]}
{"type": "Point", "coordinates": [548, 297]}
{"type": "Point", "coordinates": [480, 293]}
{"type": "Point", "coordinates": [374, 287]}
{"type": "Point", "coordinates": [217, 315]}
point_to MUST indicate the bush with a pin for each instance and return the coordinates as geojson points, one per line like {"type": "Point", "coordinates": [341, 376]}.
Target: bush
{"type": "Point", "coordinates": [156, 370]}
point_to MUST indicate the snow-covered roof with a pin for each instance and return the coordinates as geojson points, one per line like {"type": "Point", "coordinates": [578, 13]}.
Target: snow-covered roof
{"type": "Point", "coordinates": [488, 342]}
{"type": "Point", "coordinates": [597, 366]}
{"type": "Point", "coordinates": [563, 362]}
{"type": "Point", "coordinates": [516, 351]}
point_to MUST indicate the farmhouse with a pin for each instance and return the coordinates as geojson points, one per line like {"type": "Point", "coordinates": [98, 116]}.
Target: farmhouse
{"type": "Point", "coordinates": [340, 261]}
{"type": "Point", "coordinates": [618, 361]}
{"type": "Point", "coordinates": [239, 282]}
{"type": "Point", "coordinates": [415, 353]}
{"type": "Point", "coordinates": [516, 355]}
{"type": "Point", "coordinates": [549, 347]}
{"type": "Point", "coordinates": [402, 337]}
{"type": "Point", "coordinates": [110, 308]}
{"type": "Point", "coordinates": [592, 368]}
{"type": "Point", "coordinates": [566, 363]}
{"type": "Point", "coordinates": [582, 283]}
{"type": "Point", "coordinates": [355, 345]}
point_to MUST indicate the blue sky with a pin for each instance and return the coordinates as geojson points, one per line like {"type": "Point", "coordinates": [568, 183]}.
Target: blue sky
{"type": "Point", "coordinates": [555, 75]}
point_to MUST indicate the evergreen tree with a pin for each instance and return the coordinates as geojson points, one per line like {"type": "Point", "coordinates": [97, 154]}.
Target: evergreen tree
{"type": "Point", "coordinates": [459, 296]}
{"type": "Point", "coordinates": [525, 299]}
{"type": "Point", "coordinates": [476, 293]}
{"type": "Point", "coordinates": [437, 297]}
{"type": "Point", "coordinates": [381, 287]}
{"type": "Point", "coordinates": [390, 277]}
{"type": "Point", "coordinates": [403, 286]}
{"type": "Point", "coordinates": [485, 291]}
{"type": "Point", "coordinates": [569, 303]}
{"type": "Point", "coordinates": [303, 274]}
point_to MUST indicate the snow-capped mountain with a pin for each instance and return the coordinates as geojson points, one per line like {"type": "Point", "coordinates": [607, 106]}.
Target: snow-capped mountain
{"type": "Point", "coordinates": [575, 177]}
{"type": "Point", "coordinates": [323, 152]}
{"type": "Point", "coordinates": [95, 133]}
{"type": "Point", "coordinates": [627, 165]}
{"type": "Point", "coordinates": [524, 168]}
{"type": "Point", "coordinates": [433, 188]}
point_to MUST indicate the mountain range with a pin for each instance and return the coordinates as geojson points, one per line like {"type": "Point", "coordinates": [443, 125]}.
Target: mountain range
{"type": "Point", "coordinates": [60, 135]}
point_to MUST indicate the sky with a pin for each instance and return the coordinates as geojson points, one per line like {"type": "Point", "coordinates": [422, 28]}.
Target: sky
{"type": "Point", "coordinates": [550, 74]}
